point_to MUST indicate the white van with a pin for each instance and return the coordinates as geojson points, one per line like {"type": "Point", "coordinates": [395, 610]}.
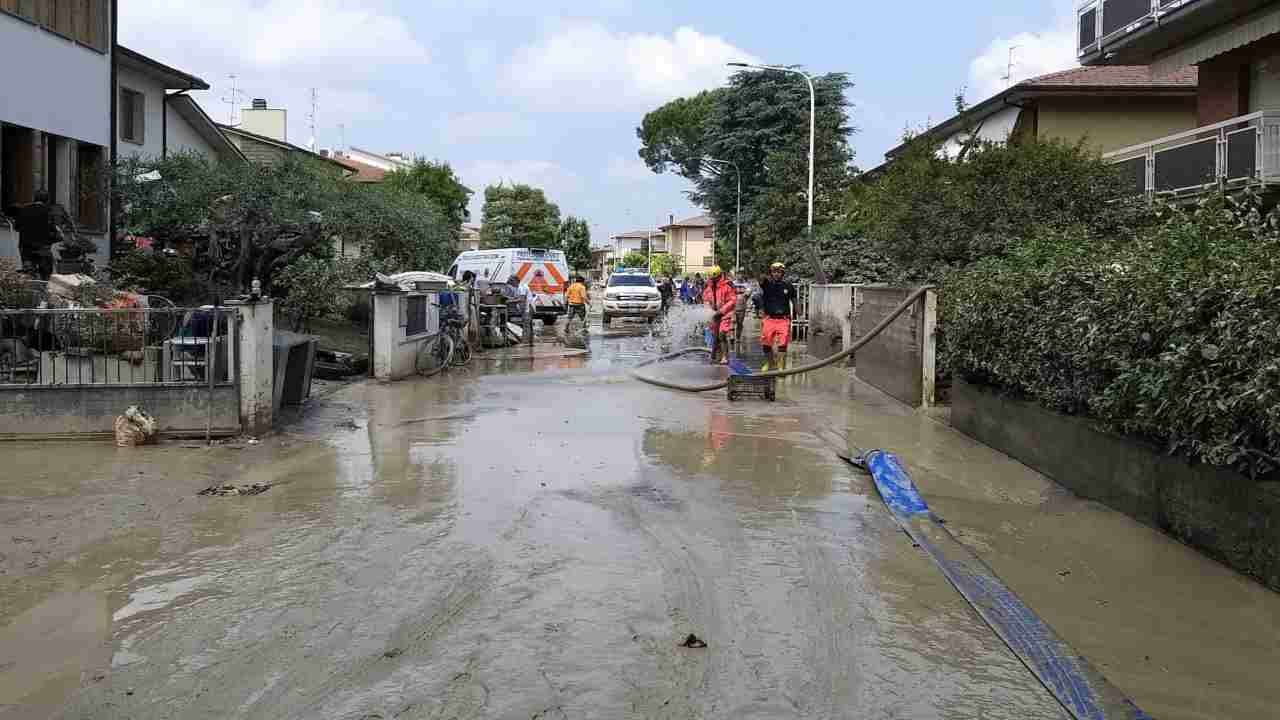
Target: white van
{"type": "Point", "coordinates": [544, 272]}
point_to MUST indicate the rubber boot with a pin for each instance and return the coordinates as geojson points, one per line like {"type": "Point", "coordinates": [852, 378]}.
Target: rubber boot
{"type": "Point", "coordinates": [782, 361]}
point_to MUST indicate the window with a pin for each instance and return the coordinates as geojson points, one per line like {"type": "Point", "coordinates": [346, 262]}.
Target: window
{"type": "Point", "coordinates": [415, 315]}
{"type": "Point", "coordinates": [709, 232]}
{"type": "Point", "coordinates": [17, 166]}
{"type": "Point", "coordinates": [133, 118]}
{"type": "Point", "coordinates": [708, 261]}
{"type": "Point", "coordinates": [81, 20]}
{"type": "Point", "coordinates": [90, 182]}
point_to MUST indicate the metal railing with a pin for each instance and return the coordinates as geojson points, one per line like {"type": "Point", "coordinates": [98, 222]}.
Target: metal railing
{"type": "Point", "coordinates": [1101, 21]}
{"type": "Point", "coordinates": [54, 347]}
{"type": "Point", "coordinates": [1240, 151]}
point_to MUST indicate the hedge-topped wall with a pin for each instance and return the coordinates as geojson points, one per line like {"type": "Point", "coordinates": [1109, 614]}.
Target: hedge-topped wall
{"type": "Point", "coordinates": [1170, 332]}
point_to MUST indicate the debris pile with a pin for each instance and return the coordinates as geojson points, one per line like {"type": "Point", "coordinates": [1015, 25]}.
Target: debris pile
{"type": "Point", "coordinates": [226, 490]}
{"type": "Point", "coordinates": [134, 428]}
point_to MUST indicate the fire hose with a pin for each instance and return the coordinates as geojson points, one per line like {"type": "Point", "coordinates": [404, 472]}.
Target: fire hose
{"type": "Point", "coordinates": [720, 384]}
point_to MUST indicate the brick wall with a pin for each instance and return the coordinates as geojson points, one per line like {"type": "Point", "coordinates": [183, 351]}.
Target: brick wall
{"type": "Point", "coordinates": [1224, 89]}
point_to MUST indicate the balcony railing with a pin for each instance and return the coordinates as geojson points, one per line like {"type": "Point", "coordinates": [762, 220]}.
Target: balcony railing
{"type": "Point", "coordinates": [1101, 21]}
{"type": "Point", "coordinates": [1239, 151]}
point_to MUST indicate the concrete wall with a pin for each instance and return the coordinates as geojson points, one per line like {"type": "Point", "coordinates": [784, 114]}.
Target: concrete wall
{"type": "Point", "coordinates": [395, 352]}
{"type": "Point", "coordinates": [1226, 515]}
{"type": "Point", "coordinates": [900, 360]}
{"type": "Point", "coordinates": [57, 412]}
{"type": "Point", "coordinates": [53, 84]}
{"type": "Point", "coordinates": [184, 138]}
{"type": "Point", "coordinates": [830, 319]}
{"type": "Point", "coordinates": [153, 93]}
{"type": "Point", "coordinates": [1110, 124]}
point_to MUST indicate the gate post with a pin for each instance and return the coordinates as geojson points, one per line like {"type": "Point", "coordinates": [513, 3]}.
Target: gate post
{"type": "Point", "coordinates": [929, 349]}
{"type": "Point", "coordinates": [257, 376]}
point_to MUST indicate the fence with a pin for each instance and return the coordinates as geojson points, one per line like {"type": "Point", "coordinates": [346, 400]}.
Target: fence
{"type": "Point", "coordinates": [71, 371]}
{"type": "Point", "coordinates": [901, 359]}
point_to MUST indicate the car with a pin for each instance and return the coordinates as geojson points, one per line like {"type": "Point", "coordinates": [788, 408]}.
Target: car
{"type": "Point", "coordinates": [630, 294]}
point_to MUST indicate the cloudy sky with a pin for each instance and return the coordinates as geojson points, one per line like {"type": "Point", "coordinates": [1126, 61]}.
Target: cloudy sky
{"type": "Point", "coordinates": [550, 92]}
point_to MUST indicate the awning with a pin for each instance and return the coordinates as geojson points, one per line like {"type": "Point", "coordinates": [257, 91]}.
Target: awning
{"type": "Point", "coordinates": [1239, 33]}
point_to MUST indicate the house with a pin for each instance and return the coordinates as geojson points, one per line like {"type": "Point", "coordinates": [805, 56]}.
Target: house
{"type": "Point", "coordinates": [154, 122]}
{"type": "Point", "coordinates": [1235, 46]}
{"type": "Point", "coordinates": [385, 163]}
{"type": "Point", "coordinates": [56, 125]}
{"type": "Point", "coordinates": [601, 261]}
{"type": "Point", "coordinates": [1105, 107]}
{"type": "Point", "coordinates": [693, 242]}
{"type": "Point", "coordinates": [470, 238]}
{"type": "Point", "coordinates": [637, 241]}
{"type": "Point", "coordinates": [266, 149]}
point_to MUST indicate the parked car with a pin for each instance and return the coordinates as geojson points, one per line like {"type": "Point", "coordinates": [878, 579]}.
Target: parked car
{"type": "Point", "coordinates": [631, 294]}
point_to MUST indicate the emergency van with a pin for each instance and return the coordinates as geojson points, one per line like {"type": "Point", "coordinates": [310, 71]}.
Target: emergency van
{"type": "Point", "coordinates": [544, 272]}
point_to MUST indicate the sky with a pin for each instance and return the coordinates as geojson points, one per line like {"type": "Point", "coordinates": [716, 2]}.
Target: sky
{"type": "Point", "coordinates": [549, 92]}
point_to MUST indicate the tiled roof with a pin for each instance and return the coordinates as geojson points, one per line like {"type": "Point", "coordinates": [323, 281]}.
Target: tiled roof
{"type": "Point", "coordinates": [1117, 76]}
{"type": "Point", "coordinates": [364, 172]}
{"type": "Point", "coordinates": [696, 221]}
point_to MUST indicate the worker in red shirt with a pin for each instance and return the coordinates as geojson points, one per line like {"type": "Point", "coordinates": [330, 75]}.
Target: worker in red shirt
{"type": "Point", "coordinates": [724, 298]}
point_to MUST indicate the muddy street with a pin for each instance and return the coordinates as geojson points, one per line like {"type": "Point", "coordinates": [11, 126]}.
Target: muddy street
{"type": "Point", "coordinates": [536, 539]}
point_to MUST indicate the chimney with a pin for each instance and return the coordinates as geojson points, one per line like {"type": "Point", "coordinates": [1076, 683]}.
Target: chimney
{"type": "Point", "coordinates": [259, 104]}
{"type": "Point", "coordinates": [264, 120]}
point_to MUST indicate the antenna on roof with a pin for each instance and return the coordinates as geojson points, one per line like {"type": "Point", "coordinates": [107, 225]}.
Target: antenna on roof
{"type": "Point", "coordinates": [1008, 72]}
{"type": "Point", "coordinates": [342, 137]}
{"type": "Point", "coordinates": [315, 102]}
{"type": "Point", "coordinates": [233, 100]}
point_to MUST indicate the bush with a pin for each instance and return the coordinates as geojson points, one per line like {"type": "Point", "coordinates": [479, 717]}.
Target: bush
{"type": "Point", "coordinates": [314, 288]}
{"type": "Point", "coordinates": [1172, 334]}
{"type": "Point", "coordinates": [155, 274]}
{"type": "Point", "coordinates": [930, 214]}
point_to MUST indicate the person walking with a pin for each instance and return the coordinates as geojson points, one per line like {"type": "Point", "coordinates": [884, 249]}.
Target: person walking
{"type": "Point", "coordinates": [778, 299]}
{"type": "Point", "coordinates": [667, 290]}
{"type": "Point", "coordinates": [577, 297]}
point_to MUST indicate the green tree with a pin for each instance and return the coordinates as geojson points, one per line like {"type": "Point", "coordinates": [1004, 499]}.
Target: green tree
{"type": "Point", "coordinates": [634, 259]}
{"type": "Point", "coordinates": [663, 264]}
{"type": "Point", "coordinates": [930, 213]}
{"type": "Point", "coordinates": [760, 121]}
{"type": "Point", "coordinates": [575, 240]}
{"type": "Point", "coordinates": [519, 216]}
{"type": "Point", "coordinates": [435, 180]}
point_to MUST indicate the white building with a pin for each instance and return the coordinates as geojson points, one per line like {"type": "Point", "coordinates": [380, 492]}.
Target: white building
{"type": "Point", "coordinates": [55, 112]}
{"type": "Point", "coordinates": [154, 122]}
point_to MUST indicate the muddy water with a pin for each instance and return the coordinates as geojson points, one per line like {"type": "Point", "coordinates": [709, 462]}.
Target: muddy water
{"type": "Point", "coordinates": [535, 541]}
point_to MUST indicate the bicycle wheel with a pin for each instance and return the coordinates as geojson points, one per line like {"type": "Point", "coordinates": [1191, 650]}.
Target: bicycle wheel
{"type": "Point", "coordinates": [434, 355]}
{"type": "Point", "coordinates": [461, 352]}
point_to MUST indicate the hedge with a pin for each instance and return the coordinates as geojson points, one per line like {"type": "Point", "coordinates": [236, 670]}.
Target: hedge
{"type": "Point", "coordinates": [1171, 334]}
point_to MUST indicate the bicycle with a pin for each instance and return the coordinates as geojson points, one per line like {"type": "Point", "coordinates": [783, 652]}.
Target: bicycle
{"type": "Point", "coordinates": [445, 348]}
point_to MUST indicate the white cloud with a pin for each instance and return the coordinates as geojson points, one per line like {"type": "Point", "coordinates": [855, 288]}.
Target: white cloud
{"type": "Point", "coordinates": [485, 125]}
{"type": "Point", "coordinates": [279, 50]}
{"type": "Point", "coordinates": [1037, 53]}
{"type": "Point", "coordinates": [587, 66]}
{"type": "Point", "coordinates": [629, 170]}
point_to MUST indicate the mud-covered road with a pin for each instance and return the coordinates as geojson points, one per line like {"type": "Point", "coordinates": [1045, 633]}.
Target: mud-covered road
{"type": "Point", "coordinates": [535, 541]}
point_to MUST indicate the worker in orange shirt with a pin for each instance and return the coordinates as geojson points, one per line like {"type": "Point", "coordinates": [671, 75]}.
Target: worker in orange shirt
{"type": "Point", "coordinates": [724, 298]}
{"type": "Point", "coordinates": [577, 297]}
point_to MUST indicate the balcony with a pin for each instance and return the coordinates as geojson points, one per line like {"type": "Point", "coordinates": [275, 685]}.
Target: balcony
{"type": "Point", "coordinates": [1233, 153]}
{"type": "Point", "coordinates": [1141, 32]}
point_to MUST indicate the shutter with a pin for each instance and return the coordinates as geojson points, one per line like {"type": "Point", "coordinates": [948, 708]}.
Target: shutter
{"type": "Point", "coordinates": [140, 116]}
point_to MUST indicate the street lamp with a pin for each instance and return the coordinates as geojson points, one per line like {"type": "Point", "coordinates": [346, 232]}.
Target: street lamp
{"type": "Point", "coordinates": [812, 120]}
{"type": "Point", "coordinates": [737, 218]}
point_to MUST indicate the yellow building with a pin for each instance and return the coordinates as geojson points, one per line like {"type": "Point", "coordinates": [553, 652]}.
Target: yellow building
{"type": "Point", "coordinates": [693, 242]}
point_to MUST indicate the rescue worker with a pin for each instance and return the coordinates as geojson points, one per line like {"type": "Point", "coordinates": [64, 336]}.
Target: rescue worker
{"type": "Point", "coordinates": [722, 296]}
{"type": "Point", "coordinates": [778, 299]}
{"type": "Point", "coordinates": [577, 298]}
{"type": "Point", "coordinates": [667, 290]}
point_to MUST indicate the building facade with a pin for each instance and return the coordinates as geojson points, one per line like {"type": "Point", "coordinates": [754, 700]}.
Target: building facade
{"type": "Point", "coordinates": [693, 243]}
{"type": "Point", "coordinates": [1235, 47]}
{"type": "Point", "coordinates": [56, 124]}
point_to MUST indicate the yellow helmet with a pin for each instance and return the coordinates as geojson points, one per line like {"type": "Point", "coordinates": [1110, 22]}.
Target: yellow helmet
{"type": "Point", "coordinates": [714, 271]}
{"type": "Point", "coordinates": [777, 266]}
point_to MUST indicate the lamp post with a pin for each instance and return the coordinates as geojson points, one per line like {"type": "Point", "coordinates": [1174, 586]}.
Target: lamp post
{"type": "Point", "coordinates": [737, 218]}
{"type": "Point", "coordinates": [813, 103]}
